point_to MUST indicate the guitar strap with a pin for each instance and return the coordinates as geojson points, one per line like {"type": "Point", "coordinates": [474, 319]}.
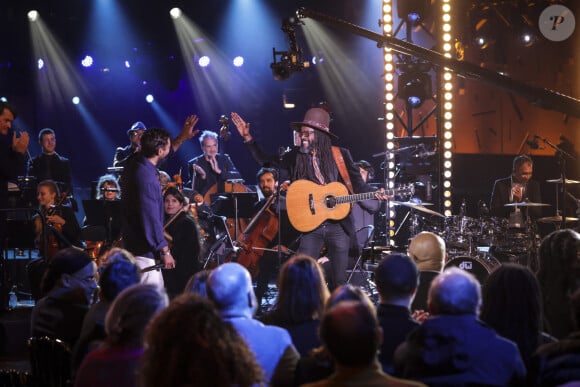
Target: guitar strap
{"type": "Point", "coordinates": [342, 168]}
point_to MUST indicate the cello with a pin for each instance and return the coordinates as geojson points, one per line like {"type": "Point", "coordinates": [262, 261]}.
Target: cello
{"type": "Point", "coordinates": [257, 235]}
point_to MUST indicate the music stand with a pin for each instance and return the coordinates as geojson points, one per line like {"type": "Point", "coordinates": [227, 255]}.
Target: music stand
{"type": "Point", "coordinates": [234, 205]}
{"type": "Point", "coordinates": [104, 213]}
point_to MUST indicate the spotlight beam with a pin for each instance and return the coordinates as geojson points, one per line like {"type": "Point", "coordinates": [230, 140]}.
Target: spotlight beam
{"type": "Point", "coordinates": [541, 97]}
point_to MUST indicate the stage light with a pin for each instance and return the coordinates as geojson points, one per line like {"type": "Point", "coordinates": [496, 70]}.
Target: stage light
{"type": "Point", "coordinates": [127, 64]}
{"type": "Point", "coordinates": [175, 13]}
{"type": "Point", "coordinates": [32, 15]}
{"type": "Point", "coordinates": [149, 98]}
{"type": "Point", "coordinates": [415, 88]}
{"type": "Point", "coordinates": [76, 100]}
{"type": "Point", "coordinates": [40, 63]}
{"type": "Point", "coordinates": [204, 61]}
{"type": "Point", "coordinates": [238, 61]}
{"type": "Point", "coordinates": [413, 11]}
{"type": "Point", "coordinates": [87, 61]}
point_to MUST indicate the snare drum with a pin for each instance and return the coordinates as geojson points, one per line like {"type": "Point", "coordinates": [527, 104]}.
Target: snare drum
{"type": "Point", "coordinates": [480, 267]}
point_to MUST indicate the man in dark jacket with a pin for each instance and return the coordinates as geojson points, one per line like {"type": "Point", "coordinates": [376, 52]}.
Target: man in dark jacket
{"type": "Point", "coordinates": [453, 347]}
{"type": "Point", "coordinates": [313, 160]}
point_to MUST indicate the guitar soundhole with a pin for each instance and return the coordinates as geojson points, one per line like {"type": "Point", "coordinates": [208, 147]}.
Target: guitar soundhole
{"type": "Point", "coordinates": [330, 201]}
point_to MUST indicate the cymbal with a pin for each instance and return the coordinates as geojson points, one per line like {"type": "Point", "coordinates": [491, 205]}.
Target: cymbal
{"type": "Point", "coordinates": [559, 181]}
{"type": "Point", "coordinates": [419, 207]}
{"type": "Point", "coordinates": [556, 219]}
{"type": "Point", "coordinates": [526, 204]}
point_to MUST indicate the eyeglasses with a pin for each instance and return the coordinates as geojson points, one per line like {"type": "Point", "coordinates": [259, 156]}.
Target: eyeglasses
{"type": "Point", "coordinates": [305, 133]}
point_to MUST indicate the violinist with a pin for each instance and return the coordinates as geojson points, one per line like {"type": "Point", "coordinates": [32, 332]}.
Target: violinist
{"type": "Point", "coordinates": [211, 167]}
{"type": "Point", "coordinates": [269, 263]}
{"type": "Point", "coordinates": [183, 234]}
{"type": "Point", "coordinates": [108, 188]}
{"type": "Point", "coordinates": [60, 230]}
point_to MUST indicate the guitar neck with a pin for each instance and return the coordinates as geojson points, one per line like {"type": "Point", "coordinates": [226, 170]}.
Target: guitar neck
{"type": "Point", "coordinates": [359, 197]}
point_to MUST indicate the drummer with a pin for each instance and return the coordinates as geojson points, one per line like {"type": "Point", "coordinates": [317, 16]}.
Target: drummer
{"type": "Point", "coordinates": [517, 188]}
{"type": "Point", "coordinates": [211, 167]}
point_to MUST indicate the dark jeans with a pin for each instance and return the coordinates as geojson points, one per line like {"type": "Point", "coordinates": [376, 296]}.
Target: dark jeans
{"type": "Point", "coordinates": [337, 242]}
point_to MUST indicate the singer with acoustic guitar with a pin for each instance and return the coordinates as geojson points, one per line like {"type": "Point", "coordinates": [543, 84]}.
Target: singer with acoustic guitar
{"type": "Point", "coordinates": [314, 164]}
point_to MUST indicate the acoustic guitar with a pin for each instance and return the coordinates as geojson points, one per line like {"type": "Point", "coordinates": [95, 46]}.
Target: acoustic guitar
{"type": "Point", "coordinates": [309, 204]}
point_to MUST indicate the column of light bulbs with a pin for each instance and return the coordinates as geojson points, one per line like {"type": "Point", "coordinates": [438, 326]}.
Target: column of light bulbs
{"type": "Point", "coordinates": [387, 23]}
{"type": "Point", "coordinates": [447, 107]}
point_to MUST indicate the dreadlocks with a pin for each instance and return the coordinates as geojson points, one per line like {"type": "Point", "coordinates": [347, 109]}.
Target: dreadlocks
{"type": "Point", "coordinates": [328, 167]}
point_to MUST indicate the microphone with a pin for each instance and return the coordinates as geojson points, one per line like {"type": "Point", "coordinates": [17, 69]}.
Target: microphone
{"type": "Point", "coordinates": [283, 150]}
{"type": "Point", "coordinates": [533, 143]}
{"type": "Point", "coordinates": [224, 132]}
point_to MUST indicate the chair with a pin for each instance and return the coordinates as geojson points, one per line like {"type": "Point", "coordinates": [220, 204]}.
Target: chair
{"type": "Point", "coordinates": [358, 268]}
{"type": "Point", "coordinates": [49, 361]}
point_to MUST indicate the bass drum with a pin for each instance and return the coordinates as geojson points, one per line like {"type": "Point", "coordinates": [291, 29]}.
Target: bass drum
{"type": "Point", "coordinates": [479, 267]}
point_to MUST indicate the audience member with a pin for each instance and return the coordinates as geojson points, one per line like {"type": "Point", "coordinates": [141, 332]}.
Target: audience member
{"type": "Point", "coordinates": [188, 344]}
{"type": "Point", "coordinates": [351, 333]}
{"type": "Point", "coordinates": [512, 306]}
{"type": "Point", "coordinates": [558, 363]}
{"type": "Point", "coordinates": [453, 347]}
{"type": "Point", "coordinates": [69, 284]}
{"type": "Point", "coordinates": [397, 279]}
{"type": "Point", "coordinates": [230, 287]}
{"type": "Point", "coordinates": [428, 251]}
{"type": "Point", "coordinates": [318, 364]}
{"type": "Point", "coordinates": [114, 277]}
{"type": "Point", "coordinates": [302, 293]}
{"type": "Point", "coordinates": [115, 363]}
{"type": "Point", "coordinates": [559, 277]}
{"type": "Point", "coordinates": [197, 283]}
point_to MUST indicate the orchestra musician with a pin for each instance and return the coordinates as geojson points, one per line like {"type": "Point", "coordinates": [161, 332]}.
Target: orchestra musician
{"type": "Point", "coordinates": [183, 233]}
{"type": "Point", "coordinates": [211, 167]}
{"type": "Point", "coordinates": [314, 161]}
{"type": "Point", "coordinates": [59, 230]}
{"type": "Point", "coordinates": [134, 133]}
{"type": "Point", "coordinates": [49, 165]}
{"type": "Point", "coordinates": [269, 263]}
{"type": "Point", "coordinates": [108, 188]}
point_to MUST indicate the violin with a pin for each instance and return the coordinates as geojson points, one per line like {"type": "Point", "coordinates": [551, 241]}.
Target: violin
{"type": "Point", "coordinates": [52, 246]}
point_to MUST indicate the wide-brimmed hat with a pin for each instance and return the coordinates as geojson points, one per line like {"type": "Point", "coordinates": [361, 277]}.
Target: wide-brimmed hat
{"type": "Point", "coordinates": [136, 126]}
{"type": "Point", "coordinates": [315, 118]}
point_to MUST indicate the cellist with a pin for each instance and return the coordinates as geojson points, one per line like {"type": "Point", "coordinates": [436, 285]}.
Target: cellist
{"type": "Point", "coordinates": [269, 263]}
{"type": "Point", "coordinates": [60, 230]}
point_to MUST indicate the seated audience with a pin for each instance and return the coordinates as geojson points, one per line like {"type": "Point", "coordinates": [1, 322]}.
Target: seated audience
{"type": "Point", "coordinates": [453, 347]}
{"type": "Point", "coordinates": [512, 306]}
{"type": "Point", "coordinates": [197, 283]}
{"type": "Point", "coordinates": [428, 251]}
{"type": "Point", "coordinates": [115, 363]}
{"type": "Point", "coordinates": [115, 276]}
{"type": "Point", "coordinates": [188, 344]}
{"type": "Point", "coordinates": [396, 278]}
{"type": "Point", "coordinates": [558, 363]}
{"type": "Point", "coordinates": [351, 333]}
{"type": "Point", "coordinates": [69, 284]}
{"type": "Point", "coordinates": [229, 286]}
{"type": "Point", "coordinates": [302, 293]}
{"type": "Point", "coordinates": [559, 278]}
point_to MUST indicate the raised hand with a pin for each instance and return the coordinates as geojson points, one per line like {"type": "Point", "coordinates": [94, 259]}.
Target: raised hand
{"type": "Point", "coordinates": [20, 144]}
{"type": "Point", "coordinates": [214, 165]}
{"type": "Point", "coordinates": [199, 170]}
{"type": "Point", "coordinates": [242, 126]}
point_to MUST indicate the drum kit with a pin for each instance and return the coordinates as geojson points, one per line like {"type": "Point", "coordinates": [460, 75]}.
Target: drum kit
{"type": "Point", "coordinates": [480, 245]}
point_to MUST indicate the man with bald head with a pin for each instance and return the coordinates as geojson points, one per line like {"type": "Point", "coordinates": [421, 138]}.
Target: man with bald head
{"type": "Point", "coordinates": [428, 251]}
{"type": "Point", "coordinates": [352, 335]}
{"type": "Point", "coordinates": [229, 286]}
{"type": "Point", "coordinates": [453, 347]}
